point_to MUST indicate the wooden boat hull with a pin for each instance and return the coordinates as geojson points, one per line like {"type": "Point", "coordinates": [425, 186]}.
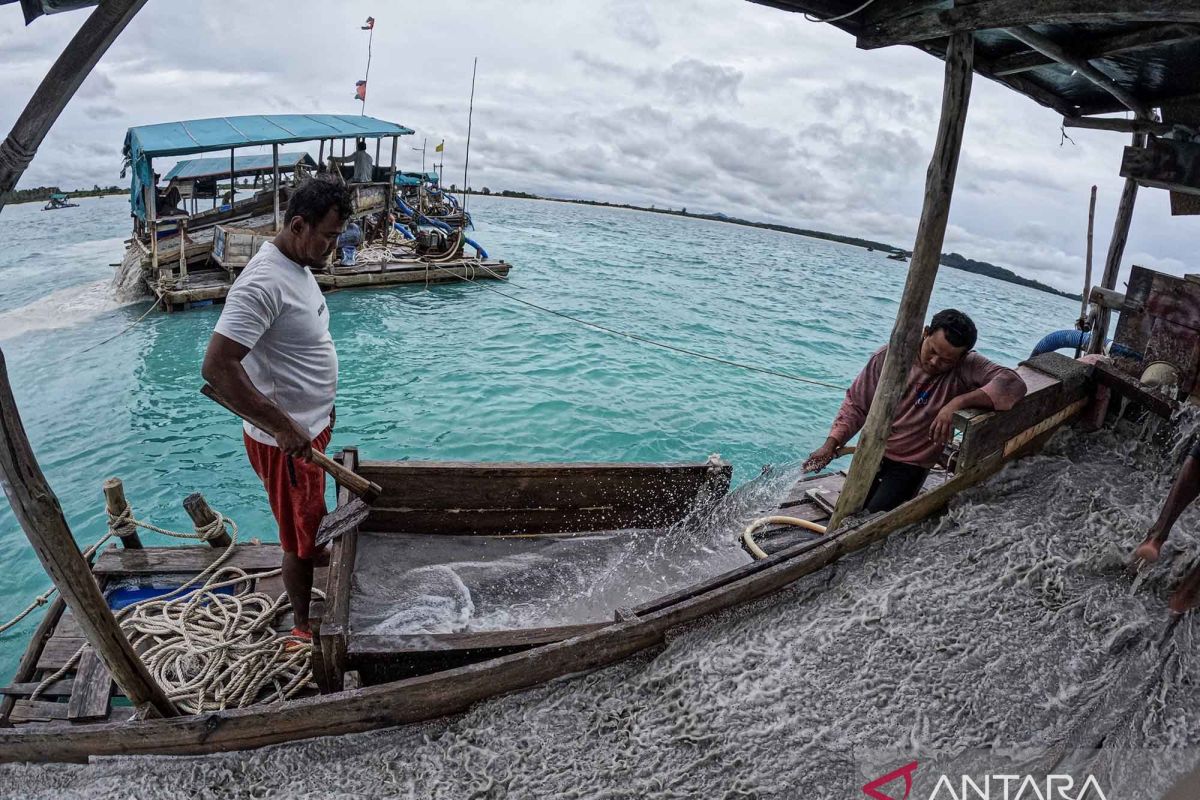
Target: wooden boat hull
{"type": "Point", "coordinates": [1060, 392]}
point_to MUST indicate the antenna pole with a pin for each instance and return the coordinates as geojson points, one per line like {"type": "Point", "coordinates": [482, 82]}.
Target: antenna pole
{"type": "Point", "coordinates": [367, 77]}
{"type": "Point", "coordinates": [467, 158]}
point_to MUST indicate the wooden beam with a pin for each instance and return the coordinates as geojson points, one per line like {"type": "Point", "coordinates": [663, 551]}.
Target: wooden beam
{"type": "Point", "coordinates": [992, 14]}
{"type": "Point", "coordinates": [1028, 88]}
{"type": "Point", "coordinates": [40, 515]}
{"type": "Point", "coordinates": [275, 174]}
{"type": "Point", "coordinates": [1052, 49]}
{"type": "Point", "coordinates": [78, 58]}
{"type": "Point", "coordinates": [1118, 125]}
{"type": "Point", "coordinates": [1116, 250]}
{"type": "Point", "coordinates": [922, 271]}
{"type": "Point", "coordinates": [1141, 39]}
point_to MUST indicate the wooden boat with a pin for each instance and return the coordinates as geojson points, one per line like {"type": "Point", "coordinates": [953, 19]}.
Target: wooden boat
{"type": "Point", "coordinates": [372, 680]}
{"type": "Point", "coordinates": [192, 258]}
{"type": "Point", "coordinates": [58, 201]}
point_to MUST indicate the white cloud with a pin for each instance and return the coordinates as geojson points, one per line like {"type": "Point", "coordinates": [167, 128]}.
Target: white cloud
{"type": "Point", "coordinates": [715, 105]}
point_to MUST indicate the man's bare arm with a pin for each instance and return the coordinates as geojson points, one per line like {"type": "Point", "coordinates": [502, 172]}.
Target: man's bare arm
{"type": "Point", "coordinates": [224, 372]}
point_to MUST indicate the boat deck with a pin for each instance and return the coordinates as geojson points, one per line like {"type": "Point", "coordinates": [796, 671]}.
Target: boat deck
{"type": "Point", "coordinates": [86, 695]}
{"type": "Point", "coordinates": [207, 286]}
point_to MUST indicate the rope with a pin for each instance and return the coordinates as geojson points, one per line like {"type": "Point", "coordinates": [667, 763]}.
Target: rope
{"type": "Point", "coordinates": [121, 332]}
{"type": "Point", "coordinates": [644, 340]}
{"type": "Point", "coordinates": [209, 650]}
{"type": "Point", "coordinates": [811, 18]}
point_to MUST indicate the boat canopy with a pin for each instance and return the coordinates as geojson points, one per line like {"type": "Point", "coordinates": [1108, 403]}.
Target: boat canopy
{"type": "Point", "coordinates": [58, 196]}
{"type": "Point", "coordinates": [146, 142]}
{"type": "Point", "coordinates": [416, 178]}
{"type": "Point", "coordinates": [242, 165]}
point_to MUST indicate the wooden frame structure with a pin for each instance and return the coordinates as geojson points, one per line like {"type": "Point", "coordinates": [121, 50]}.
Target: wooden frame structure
{"type": "Point", "coordinates": [1078, 58]}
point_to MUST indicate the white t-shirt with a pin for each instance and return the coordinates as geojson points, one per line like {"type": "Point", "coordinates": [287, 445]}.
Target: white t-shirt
{"type": "Point", "coordinates": [276, 308]}
{"type": "Point", "coordinates": [362, 167]}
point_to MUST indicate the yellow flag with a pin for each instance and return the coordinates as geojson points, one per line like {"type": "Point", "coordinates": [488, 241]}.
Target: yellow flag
{"type": "Point", "coordinates": [440, 147]}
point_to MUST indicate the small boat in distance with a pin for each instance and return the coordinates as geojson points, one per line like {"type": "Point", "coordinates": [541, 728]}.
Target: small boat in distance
{"type": "Point", "coordinates": [57, 201]}
{"type": "Point", "coordinates": [898, 257]}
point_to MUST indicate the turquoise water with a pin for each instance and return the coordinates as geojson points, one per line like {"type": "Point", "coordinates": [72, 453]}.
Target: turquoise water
{"type": "Point", "coordinates": [459, 372]}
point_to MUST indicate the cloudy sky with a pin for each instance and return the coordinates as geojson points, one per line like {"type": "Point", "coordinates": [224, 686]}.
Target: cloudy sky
{"type": "Point", "coordinates": [714, 105]}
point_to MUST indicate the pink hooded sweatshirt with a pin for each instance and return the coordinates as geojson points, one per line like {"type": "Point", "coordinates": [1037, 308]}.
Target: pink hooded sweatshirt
{"type": "Point", "coordinates": [925, 396]}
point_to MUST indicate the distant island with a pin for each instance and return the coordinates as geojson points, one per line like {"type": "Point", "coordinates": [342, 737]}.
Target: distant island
{"type": "Point", "coordinates": [952, 260]}
{"type": "Point", "coordinates": [40, 194]}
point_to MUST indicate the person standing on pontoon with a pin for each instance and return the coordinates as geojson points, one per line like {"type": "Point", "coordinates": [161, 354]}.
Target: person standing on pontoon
{"type": "Point", "coordinates": [364, 168]}
{"type": "Point", "coordinates": [271, 359]}
{"type": "Point", "coordinates": [1183, 493]}
{"type": "Point", "coordinates": [946, 377]}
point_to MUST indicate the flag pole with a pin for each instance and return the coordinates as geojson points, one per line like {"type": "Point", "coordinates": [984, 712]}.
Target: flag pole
{"type": "Point", "coordinates": [367, 77]}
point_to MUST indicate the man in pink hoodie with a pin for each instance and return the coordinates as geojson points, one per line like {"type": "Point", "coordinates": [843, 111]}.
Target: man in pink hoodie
{"type": "Point", "coordinates": [947, 376]}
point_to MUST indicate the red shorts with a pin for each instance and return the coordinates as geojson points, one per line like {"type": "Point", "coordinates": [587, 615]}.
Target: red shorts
{"type": "Point", "coordinates": [298, 509]}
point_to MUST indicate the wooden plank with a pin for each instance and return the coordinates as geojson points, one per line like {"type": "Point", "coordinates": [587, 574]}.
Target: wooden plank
{"type": "Point", "coordinates": [332, 639]}
{"type": "Point", "coordinates": [521, 521]}
{"type": "Point", "coordinates": [1046, 395]}
{"type": "Point", "coordinates": [439, 497]}
{"type": "Point", "coordinates": [1116, 250]}
{"type": "Point", "coordinates": [1128, 386]}
{"type": "Point", "coordinates": [92, 689]}
{"type": "Point", "coordinates": [60, 688]}
{"type": "Point", "coordinates": [189, 559]}
{"type": "Point", "coordinates": [906, 335]}
{"type": "Point", "coordinates": [362, 645]}
{"type": "Point", "coordinates": [38, 711]}
{"type": "Point", "coordinates": [992, 14]}
{"type": "Point", "coordinates": [1164, 164]}
{"type": "Point", "coordinates": [1149, 37]}
{"type": "Point", "coordinates": [58, 651]}
{"type": "Point", "coordinates": [1117, 124]}
{"type": "Point", "coordinates": [27, 666]}
{"type": "Point", "coordinates": [41, 517]}
{"type": "Point", "coordinates": [1052, 49]}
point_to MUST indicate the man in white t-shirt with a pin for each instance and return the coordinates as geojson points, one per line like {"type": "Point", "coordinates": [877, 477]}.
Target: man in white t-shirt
{"type": "Point", "coordinates": [272, 359]}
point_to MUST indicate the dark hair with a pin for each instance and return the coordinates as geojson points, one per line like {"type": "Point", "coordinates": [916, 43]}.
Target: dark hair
{"type": "Point", "coordinates": [362, 144]}
{"type": "Point", "coordinates": [960, 330]}
{"type": "Point", "coordinates": [313, 198]}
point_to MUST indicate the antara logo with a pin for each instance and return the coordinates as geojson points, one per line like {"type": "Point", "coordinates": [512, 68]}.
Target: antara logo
{"type": "Point", "coordinates": [991, 787]}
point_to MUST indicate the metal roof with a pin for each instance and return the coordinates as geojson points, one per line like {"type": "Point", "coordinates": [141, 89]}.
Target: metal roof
{"type": "Point", "coordinates": [1149, 49]}
{"type": "Point", "coordinates": [242, 165]}
{"type": "Point", "coordinates": [222, 133]}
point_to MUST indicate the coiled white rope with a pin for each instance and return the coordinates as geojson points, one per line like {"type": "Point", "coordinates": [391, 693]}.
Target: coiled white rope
{"type": "Point", "coordinates": [210, 650]}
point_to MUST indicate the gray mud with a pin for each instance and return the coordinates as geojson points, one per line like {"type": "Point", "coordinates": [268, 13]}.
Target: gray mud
{"type": "Point", "coordinates": [1007, 623]}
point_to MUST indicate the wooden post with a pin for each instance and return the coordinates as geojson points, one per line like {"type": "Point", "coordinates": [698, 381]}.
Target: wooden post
{"type": "Point", "coordinates": [152, 218]}
{"type": "Point", "coordinates": [181, 226]}
{"type": "Point", "coordinates": [321, 153]}
{"type": "Point", "coordinates": [275, 172]}
{"type": "Point", "coordinates": [202, 515]}
{"type": "Point", "coordinates": [75, 63]}
{"type": "Point", "coordinates": [40, 515]}
{"type": "Point", "coordinates": [1087, 268]}
{"type": "Point", "coordinates": [232, 170]}
{"type": "Point", "coordinates": [391, 190]}
{"type": "Point", "coordinates": [1116, 251]}
{"type": "Point", "coordinates": [115, 504]}
{"type": "Point", "coordinates": [378, 144]}
{"type": "Point", "coordinates": [922, 270]}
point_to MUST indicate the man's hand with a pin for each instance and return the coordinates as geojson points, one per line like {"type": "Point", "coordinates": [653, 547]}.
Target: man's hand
{"type": "Point", "coordinates": [941, 430]}
{"type": "Point", "coordinates": [819, 459]}
{"type": "Point", "coordinates": [294, 441]}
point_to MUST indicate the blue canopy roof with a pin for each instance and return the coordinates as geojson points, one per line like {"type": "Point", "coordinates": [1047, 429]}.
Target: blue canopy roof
{"type": "Point", "coordinates": [242, 165]}
{"type": "Point", "coordinates": [222, 133]}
